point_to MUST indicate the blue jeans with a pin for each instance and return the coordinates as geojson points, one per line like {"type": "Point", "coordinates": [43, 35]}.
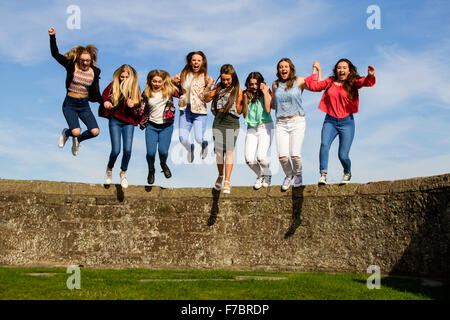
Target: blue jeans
{"type": "Point", "coordinates": [75, 109]}
{"type": "Point", "coordinates": [187, 120]}
{"type": "Point", "coordinates": [332, 127]}
{"type": "Point", "coordinates": [118, 129]}
{"type": "Point", "coordinates": [158, 136]}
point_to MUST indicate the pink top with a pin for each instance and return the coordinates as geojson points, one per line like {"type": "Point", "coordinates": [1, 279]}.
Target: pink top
{"type": "Point", "coordinates": [335, 101]}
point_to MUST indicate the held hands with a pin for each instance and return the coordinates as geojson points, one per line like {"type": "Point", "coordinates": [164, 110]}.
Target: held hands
{"type": "Point", "coordinates": [210, 82]}
{"type": "Point", "coordinates": [108, 105]}
{"type": "Point", "coordinates": [130, 103]}
{"type": "Point", "coordinates": [371, 71]}
{"type": "Point", "coordinates": [176, 79]}
{"type": "Point", "coordinates": [51, 31]}
{"type": "Point", "coordinates": [316, 66]}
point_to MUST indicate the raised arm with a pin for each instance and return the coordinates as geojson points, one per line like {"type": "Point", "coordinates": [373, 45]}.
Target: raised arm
{"type": "Point", "coordinates": [314, 82]}
{"type": "Point", "coordinates": [368, 81]}
{"type": "Point", "coordinates": [267, 97]}
{"type": "Point", "coordinates": [272, 100]}
{"type": "Point", "coordinates": [317, 69]}
{"type": "Point", "coordinates": [54, 49]}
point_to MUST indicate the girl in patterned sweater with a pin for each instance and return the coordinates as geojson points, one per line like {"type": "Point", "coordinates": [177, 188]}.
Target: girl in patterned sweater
{"type": "Point", "coordinates": [82, 85]}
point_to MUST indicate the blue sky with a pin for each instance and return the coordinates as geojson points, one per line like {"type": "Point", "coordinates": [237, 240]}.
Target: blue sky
{"type": "Point", "coordinates": [402, 129]}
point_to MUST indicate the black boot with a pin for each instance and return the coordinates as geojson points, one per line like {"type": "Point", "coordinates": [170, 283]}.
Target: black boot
{"type": "Point", "coordinates": [166, 170]}
{"type": "Point", "coordinates": [151, 176]}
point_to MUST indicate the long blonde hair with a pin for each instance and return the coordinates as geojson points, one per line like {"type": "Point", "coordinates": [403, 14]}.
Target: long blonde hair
{"type": "Point", "coordinates": [168, 88]}
{"type": "Point", "coordinates": [75, 53]}
{"type": "Point", "coordinates": [128, 88]}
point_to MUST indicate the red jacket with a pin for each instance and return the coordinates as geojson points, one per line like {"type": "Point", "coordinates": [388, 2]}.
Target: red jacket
{"type": "Point", "coordinates": [122, 111]}
{"type": "Point", "coordinates": [335, 101]}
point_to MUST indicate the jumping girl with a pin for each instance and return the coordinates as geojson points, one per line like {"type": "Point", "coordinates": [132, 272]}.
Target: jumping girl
{"type": "Point", "coordinates": [290, 126]}
{"type": "Point", "coordinates": [256, 110]}
{"type": "Point", "coordinates": [194, 81]}
{"type": "Point", "coordinates": [122, 101]}
{"type": "Point", "coordinates": [82, 85]}
{"type": "Point", "coordinates": [339, 101]}
{"type": "Point", "coordinates": [157, 120]}
{"type": "Point", "coordinates": [226, 106]}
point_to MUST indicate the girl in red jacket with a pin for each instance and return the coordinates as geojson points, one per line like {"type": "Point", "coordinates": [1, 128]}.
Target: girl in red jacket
{"type": "Point", "coordinates": [122, 98]}
{"type": "Point", "coordinates": [340, 101]}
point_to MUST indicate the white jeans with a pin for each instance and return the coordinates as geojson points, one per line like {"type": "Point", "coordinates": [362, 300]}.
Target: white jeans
{"type": "Point", "coordinates": [290, 134]}
{"type": "Point", "coordinates": [257, 142]}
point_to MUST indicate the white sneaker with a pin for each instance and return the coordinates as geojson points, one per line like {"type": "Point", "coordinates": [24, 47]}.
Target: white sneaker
{"type": "Point", "coordinates": [62, 138]}
{"type": "Point", "coordinates": [286, 183]}
{"type": "Point", "coordinates": [346, 178]}
{"type": "Point", "coordinates": [298, 181]}
{"type": "Point", "coordinates": [258, 183]}
{"type": "Point", "coordinates": [108, 177]}
{"type": "Point", "coordinates": [75, 146]}
{"type": "Point", "coordinates": [322, 180]}
{"type": "Point", "coordinates": [123, 180]}
{"type": "Point", "coordinates": [266, 181]}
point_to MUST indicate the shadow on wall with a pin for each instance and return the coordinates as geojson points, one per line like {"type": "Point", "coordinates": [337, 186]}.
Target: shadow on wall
{"type": "Point", "coordinates": [297, 203]}
{"type": "Point", "coordinates": [119, 191]}
{"type": "Point", "coordinates": [417, 287]}
{"type": "Point", "coordinates": [214, 208]}
{"type": "Point", "coordinates": [431, 242]}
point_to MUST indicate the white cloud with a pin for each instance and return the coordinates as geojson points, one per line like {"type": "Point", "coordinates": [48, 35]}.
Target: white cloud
{"type": "Point", "coordinates": [230, 31]}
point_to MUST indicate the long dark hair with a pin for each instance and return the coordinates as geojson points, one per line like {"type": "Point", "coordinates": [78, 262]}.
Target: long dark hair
{"type": "Point", "coordinates": [188, 68]}
{"type": "Point", "coordinates": [259, 79]}
{"type": "Point", "coordinates": [348, 83]}
{"type": "Point", "coordinates": [222, 90]}
{"type": "Point", "coordinates": [292, 77]}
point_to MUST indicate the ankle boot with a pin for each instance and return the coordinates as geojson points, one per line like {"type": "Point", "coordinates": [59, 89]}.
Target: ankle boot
{"type": "Point", "coordinates": [151, 176]}
{"type": "Point", "coordinates": [166, 170]}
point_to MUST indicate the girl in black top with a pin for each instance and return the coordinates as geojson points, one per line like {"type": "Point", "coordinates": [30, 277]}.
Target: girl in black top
{"type": "Point", "coordinates": [82, 84]}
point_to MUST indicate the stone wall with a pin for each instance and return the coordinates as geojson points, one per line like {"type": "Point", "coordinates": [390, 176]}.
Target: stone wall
{"type": "Point", "coordinates": [402, 226]}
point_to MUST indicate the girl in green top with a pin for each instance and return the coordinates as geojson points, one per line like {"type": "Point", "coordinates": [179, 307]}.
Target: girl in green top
{"type": "Point", "coordinates": [256, 110]}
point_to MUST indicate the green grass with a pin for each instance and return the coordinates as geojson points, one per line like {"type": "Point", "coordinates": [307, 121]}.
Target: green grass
{"type": "Point", "coordinates": [15, 283]}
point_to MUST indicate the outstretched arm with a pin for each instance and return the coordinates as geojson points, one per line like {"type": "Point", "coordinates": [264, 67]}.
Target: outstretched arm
{"type": "Point", "coordinates": [54, 49]}
{"type": "Point", "coordinates": [368, 81]}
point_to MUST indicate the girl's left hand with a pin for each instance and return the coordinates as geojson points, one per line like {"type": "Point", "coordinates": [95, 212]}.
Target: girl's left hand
{"type": "Point", "coordinates": [264, 87]}
{"type": "Point", "coordinates": [130, 103]}
{"type": "Point", "coordinates": [371, 71]}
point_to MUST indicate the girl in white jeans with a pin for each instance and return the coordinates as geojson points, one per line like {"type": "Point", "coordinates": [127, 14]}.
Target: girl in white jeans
{"type": "Point", "coordinates": [290, 128]}
{"type": "Point", "coordinates": [256, 109]}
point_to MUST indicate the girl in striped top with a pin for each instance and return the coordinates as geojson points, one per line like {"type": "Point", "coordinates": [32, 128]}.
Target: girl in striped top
{"type": "Point", "coordinates": [82, 84]}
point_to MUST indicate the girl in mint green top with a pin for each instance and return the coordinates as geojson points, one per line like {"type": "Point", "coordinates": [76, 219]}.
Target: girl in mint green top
{"type": "Point", "coordinates": [256, 110]}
